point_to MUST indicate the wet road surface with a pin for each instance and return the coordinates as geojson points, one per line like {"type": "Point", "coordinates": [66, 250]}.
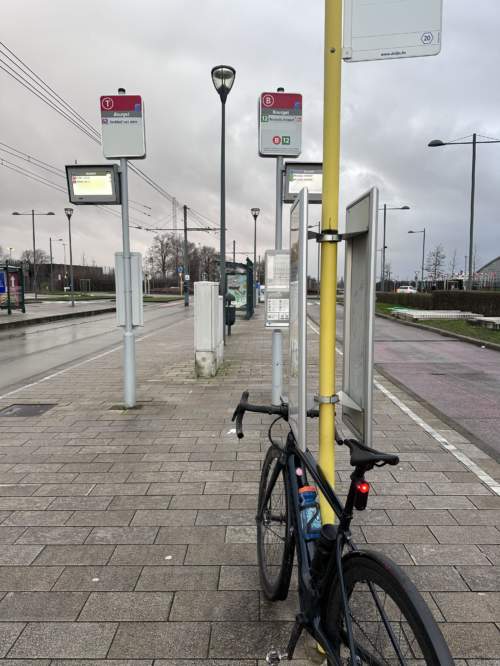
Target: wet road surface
{"type": "Point", "coordinates": [460, 382]}
{"type": "Point", "coordinates": [29, 353]}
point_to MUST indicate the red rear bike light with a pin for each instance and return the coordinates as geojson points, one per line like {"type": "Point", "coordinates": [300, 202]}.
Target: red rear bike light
{"type": "Point", "coordinates": [361, 495]}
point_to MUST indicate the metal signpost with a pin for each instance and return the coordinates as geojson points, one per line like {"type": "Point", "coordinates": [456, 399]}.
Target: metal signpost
{"type": "Point", "coordinates": [123, 138]}
{"type": "Point", "coordinates": [385, 29]}
{"type": "Point", "coordinates": [277, 293]}
{"type": "Point", "coordinates": [359, 314]}
{"type": "Point", "coordinates": [297, 369]}
{"type": "Point", "coordinates": [280, 135]}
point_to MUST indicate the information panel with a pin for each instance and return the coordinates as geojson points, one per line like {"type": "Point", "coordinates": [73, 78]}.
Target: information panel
{"type": "Point", "coordinates": [122, 126]}
{"type": "Point", "coordinates": [93, 184]}
{"type": "Point", "coordinates": [277, 292]}
{"type": "Point", "coordinates": [297, 358]}
{"type": "Point", "coordinates": [303, 174]}
{"type": "Point", "coordinates": [280, 124]}
{"type": "Point", "coordinates": [385, 29]}
{"type": "Point", "coordinates": [359, 313]}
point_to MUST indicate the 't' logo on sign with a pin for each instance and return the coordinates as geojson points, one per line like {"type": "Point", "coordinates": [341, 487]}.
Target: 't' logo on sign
{"type": "Point", "coordinates": [107, 103]}
{"type": "Point", "coordinates": [276, 140]}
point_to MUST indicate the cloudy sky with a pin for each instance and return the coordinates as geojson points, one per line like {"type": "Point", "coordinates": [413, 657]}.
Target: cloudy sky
{"type": "Point", "coordinates": [165, 49]}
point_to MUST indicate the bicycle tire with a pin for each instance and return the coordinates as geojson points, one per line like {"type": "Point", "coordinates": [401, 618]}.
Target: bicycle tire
{"type": "Point", "coordinates": [406, 606]}
{"type": "Point", "coordinates": [275, 540]}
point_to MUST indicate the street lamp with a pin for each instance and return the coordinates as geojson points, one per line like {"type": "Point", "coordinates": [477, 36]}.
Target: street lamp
{"type": "Point", "coordinates": [223, 79]}
{"type": "Point", "coordinates": [437, 143]}
{"type": "Point", "coordinates": [255, 213]}
{"type": "Point", "coordinates": [33, 213]}
{"type": "Point", "coordinates": [51, 262]}
{"type": "Point", "coordinates": [385, 208]}
{"type": "Point", "coordinates": [421, 231]}
{"type": "Point", "coordinates": [69, 213]}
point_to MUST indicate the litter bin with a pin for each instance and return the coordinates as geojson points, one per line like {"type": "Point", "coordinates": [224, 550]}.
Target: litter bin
{"type": "Point", "coordinates": [230, 312]}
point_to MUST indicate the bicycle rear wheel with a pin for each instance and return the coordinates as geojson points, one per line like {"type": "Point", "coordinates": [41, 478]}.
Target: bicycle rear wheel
{"type": "Point", "coordinates": [391, 623]}
{"type": "Point", "coordinates": [275, 542]}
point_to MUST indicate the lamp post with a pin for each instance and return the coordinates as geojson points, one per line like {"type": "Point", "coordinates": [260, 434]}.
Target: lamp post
{"type": "Point", "coordinates": [10, 253]}
{"type": "Point", "coordinates": [437, 143]}
{"type": "Point", "coordinates": [51, 262]}
{"type": "Point", "coordinates": [255, 214]}
{"type": "Point", "coordinates": [223, 79]}
{"type": "Point", "coordinates": [33, 213]}
{"type": "Point", "coordinates": [385, 208]}
{"type": "Point", "coordinates": [69, 213]}
{"type": "Point", "coordinates": [421, 231]}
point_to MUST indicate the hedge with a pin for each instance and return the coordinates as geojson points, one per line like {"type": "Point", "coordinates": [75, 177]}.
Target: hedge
{"type": "Point", "coordinates": [486, 303]}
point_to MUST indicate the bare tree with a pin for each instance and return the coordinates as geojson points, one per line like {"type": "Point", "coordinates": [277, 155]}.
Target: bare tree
{"type": "Point", "coordinates": [452, 266]}
{"type": "Point", "coordinates": [435, 262]}
{"type": "Point", "coordinates": [40, 255]}
{"type": "Point", "coordinates": [159, 253]}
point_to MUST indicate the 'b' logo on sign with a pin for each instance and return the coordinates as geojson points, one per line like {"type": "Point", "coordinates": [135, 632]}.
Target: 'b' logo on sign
{"type": "Point", "coordinates": [276, 140]}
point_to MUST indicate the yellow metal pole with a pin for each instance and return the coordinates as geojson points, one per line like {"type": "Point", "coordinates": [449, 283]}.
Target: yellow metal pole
{"type": "Point", "coordinates": [329, 220]}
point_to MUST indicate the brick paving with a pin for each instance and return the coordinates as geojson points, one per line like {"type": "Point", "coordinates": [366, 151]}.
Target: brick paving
{"type": "Point", "coordinates": [128, 537]}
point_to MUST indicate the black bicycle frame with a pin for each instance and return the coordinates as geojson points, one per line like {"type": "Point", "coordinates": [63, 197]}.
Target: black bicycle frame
{"type": "Point", "coordinates": [310, 602]}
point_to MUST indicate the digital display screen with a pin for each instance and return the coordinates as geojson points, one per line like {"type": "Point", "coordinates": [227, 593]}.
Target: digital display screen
{"type": "Point", "coordinates": [93, 184]}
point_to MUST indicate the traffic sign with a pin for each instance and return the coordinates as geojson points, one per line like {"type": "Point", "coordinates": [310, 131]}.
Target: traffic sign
{"type": "Point", "coordinates": [3, 285]}
{"type": "Point", "coordinates": [280, 124]}
{"type": "Point", "coordinates": [180, 269]}
{"type": "Point", "coordinates": [386, 29]}
{"type": "Point", "coordinates": [122, 127]}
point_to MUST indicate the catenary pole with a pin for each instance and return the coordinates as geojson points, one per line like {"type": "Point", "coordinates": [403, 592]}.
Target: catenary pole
{"type": "Point", "coordinates": [382, 277]}
{"type": "Point", "coordinates": [329, 220]}
{"type": "Point", "coordinates": [35, 269]}
{"type": "Point", "coordinates": [472, 197]}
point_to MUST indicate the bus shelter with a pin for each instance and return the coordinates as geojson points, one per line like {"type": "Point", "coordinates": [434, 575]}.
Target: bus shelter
{"type": "Point", "coordinates": [12, 288]}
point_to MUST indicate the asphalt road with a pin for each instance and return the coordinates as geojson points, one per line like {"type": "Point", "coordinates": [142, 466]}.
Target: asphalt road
{"type": "Point", "coordinates": [458, 381]}
{"type": "Point", "coordinates": [27, 354]}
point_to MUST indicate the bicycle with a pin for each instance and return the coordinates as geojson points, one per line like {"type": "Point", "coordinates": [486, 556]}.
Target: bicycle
{"type": "Point", "coordinates": [357, 604]}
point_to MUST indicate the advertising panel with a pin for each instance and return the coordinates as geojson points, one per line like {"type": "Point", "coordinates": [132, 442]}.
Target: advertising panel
{"type": "Point", "coordinates": [297, 367]}
{"type": "Point", "coordinates": [277, 291]}
{"type": "Point", "coordinates": [359, 314]}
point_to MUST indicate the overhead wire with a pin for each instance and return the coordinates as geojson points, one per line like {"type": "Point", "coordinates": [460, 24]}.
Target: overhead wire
{"type": "Point", "coordinates": [36, 85]}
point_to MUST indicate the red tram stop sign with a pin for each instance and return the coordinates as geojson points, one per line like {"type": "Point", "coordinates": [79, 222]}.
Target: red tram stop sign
{"type": "Point", "coordinates": [122, 126]}
{"type": "Point", "coordinates": [280, 124]}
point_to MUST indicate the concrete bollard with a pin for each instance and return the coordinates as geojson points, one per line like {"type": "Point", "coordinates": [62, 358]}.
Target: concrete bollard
{"type": "Point", "coordinates": [208, 331]}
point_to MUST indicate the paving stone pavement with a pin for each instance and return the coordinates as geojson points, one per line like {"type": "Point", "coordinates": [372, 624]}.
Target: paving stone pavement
{"type": "Point", "coordinates": [128, 537]}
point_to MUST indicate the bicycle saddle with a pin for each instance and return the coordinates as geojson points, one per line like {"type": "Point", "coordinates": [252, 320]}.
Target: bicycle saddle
{"type": "Point", "coordinates": [364, 456]}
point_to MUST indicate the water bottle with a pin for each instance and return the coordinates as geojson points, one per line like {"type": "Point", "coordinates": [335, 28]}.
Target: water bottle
{"type": "Point", "coordinates": [309, 512]}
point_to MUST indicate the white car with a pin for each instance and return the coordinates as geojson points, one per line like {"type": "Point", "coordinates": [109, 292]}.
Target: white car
{"type": "Point", "coordinates": [406, 289]}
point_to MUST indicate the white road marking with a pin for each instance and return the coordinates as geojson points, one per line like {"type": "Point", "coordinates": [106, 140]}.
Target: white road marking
{"type": "Point", "coordinates": [493, 485]}
{"type": "Point", "coordinates": [76, 365]}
